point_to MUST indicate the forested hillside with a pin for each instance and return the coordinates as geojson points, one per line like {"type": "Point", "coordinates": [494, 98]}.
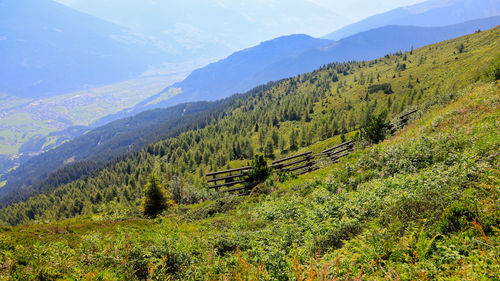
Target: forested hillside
{"type": "Point", "coordinates": [311, 110]}
{"type": "Point", "coordinates": [422, 205]}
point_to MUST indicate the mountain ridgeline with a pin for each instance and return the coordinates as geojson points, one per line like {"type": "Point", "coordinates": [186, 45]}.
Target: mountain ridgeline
{"type": "Point", "coordinates": [309, 110]}
{"type": "Point", "coordinates": [429, 13]}
{"type": "Point", "coordinates": [292, 55]}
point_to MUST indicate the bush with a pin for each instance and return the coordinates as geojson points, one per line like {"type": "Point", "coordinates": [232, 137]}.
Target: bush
{"type": "Point", "coordinates": [220, 205]}
{"type": "Point", "coordinates": [386, 87]}
{"type": "Point", "coordinates": [458, 216]}
{"type": "Point", "coordinates": [493, 72]}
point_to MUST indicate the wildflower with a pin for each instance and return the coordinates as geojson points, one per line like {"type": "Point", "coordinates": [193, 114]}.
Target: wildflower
{"type": "Point", "coordinates": [450, 137]}
{"type": "Point", "coordinates": [468, 130]}
{"type": "Point", "coordinates": [382, 174]}
{"type": "Point", "coordinates": [359, 171]}
{"type": "Point", "coordinates": [339, 190]}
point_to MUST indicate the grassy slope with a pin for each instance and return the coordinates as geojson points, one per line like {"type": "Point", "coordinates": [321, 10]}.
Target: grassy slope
{"type": "Point", "coordinates": [421, 205]}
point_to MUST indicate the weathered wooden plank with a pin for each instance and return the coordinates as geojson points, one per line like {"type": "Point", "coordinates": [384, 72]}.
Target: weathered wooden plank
{"type": "Point", "coordinates": [408, 113]}
{"type": "Point", "coordinates": [331, 153]}
{"type": "Point", "coordinates": [307, 171]}
{"type": "Point", "coordinates": [240, 188]}
{"type": "Point", "coordinates": [337, 146]}
{"type": "Point", "coordinates": [227, 184]}
{"type": "Point", "coordinates": [229, 171]}
{"type": "Point", "coordinates": [276, 166]}
{"type": "Point", "coordinates": [296, 162]}
{"type": "Point", "coordinates": [290, 158]}
{"type": "Point", "coordinates": [338, 156]}
{"type": "Point", "coordinates": [226, 178]}
{"type": "Point", "coordinates": [301, 167]}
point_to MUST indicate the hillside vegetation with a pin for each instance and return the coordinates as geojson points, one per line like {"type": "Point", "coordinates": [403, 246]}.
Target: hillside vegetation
{"type": "Point", "coordinates": [311, 109]}
{"type": "Point", "coordinates": [422, 205]}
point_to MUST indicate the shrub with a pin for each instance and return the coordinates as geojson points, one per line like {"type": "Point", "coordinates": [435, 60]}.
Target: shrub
{"type": "Point", "coordinates": [458, 216]}
{"type": "Point", "coordinates": [220, 205]}
{"type": "Point", "coordinates": [386, 87]}
{"type": "Point", "coordinates": [493, 72]}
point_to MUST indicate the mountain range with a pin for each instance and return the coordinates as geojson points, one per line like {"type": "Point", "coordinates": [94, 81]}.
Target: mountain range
{"type": "Point", "coordinates": [291, 55]}
{"type": "Point", "coordinates": [429, 13]}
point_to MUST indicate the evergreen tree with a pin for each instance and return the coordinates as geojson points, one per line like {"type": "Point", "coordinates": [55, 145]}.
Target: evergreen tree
{"type": "Point", "coordinates": [374, 129]}
{"type": "Point", "coordinates": [155, 198]}
{"type": "Point", "coordinates": [259, 172]}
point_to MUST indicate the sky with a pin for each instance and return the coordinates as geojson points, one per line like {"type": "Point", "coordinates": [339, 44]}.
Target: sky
{"type": "Point", "coordinates": [353, 10]}
{"type": "Point", "coordinates": [356, 10]}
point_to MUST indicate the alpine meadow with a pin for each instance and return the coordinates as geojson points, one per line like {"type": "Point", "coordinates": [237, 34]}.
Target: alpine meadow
{"type": "Point", "coordinates": [420, 203]}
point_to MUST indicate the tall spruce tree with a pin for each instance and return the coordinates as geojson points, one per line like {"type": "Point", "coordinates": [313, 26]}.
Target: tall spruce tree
{"type": "Point", "coordinates": [155, 198]}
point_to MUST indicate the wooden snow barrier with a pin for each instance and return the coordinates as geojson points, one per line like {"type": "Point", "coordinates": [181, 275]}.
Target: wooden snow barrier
{"type": "Point", "coordinates": [300, 164]}
{"type": "Point", "coordinates": [338, 151]}
{"type": "Point", "coordinates": [402, 122]}
{"type": "Point", "coordinates": [227, 178]}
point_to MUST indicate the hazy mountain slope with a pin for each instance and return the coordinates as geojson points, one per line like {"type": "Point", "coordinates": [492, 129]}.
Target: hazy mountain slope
{"type": "Point", "coordinates": [47, 48]}
{"type": "Point", "coordinates": [192, 28]}
{"type": "Point", "coordinates": [288, 56]}
{"type": "Point", "coordinates": [430, 13]}
{"type": "Point", "coordinates": [375, 43]}
{"type": "Point", "coordinates": [234, 74]}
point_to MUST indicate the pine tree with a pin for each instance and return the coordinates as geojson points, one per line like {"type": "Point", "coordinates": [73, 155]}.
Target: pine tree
{"type": "Point", "coordinates": [155, 198]}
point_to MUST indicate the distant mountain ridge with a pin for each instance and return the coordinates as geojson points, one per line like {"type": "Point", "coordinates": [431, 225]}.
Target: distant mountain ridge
{"type": "Point", "coordinates": [377, 42]}
{"type": "Point", "coordinates": [277, 59]}
{"type": "Point", "coordinates": [234, 74]}
{"type": "Point", "coordinates": [429, 13]}
{"type": "Point", "coordinates": [47, 48]}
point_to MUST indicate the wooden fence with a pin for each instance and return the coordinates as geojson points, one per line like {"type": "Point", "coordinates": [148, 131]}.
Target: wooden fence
{"type": "Point", "coordinates": [402, 121]}
{"type": "Point", "coordinates": [229, 178]}
{"type": "Point", "coordinates": [300, 164]}
{"type": "Point", "coordinates": [338, 151]}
